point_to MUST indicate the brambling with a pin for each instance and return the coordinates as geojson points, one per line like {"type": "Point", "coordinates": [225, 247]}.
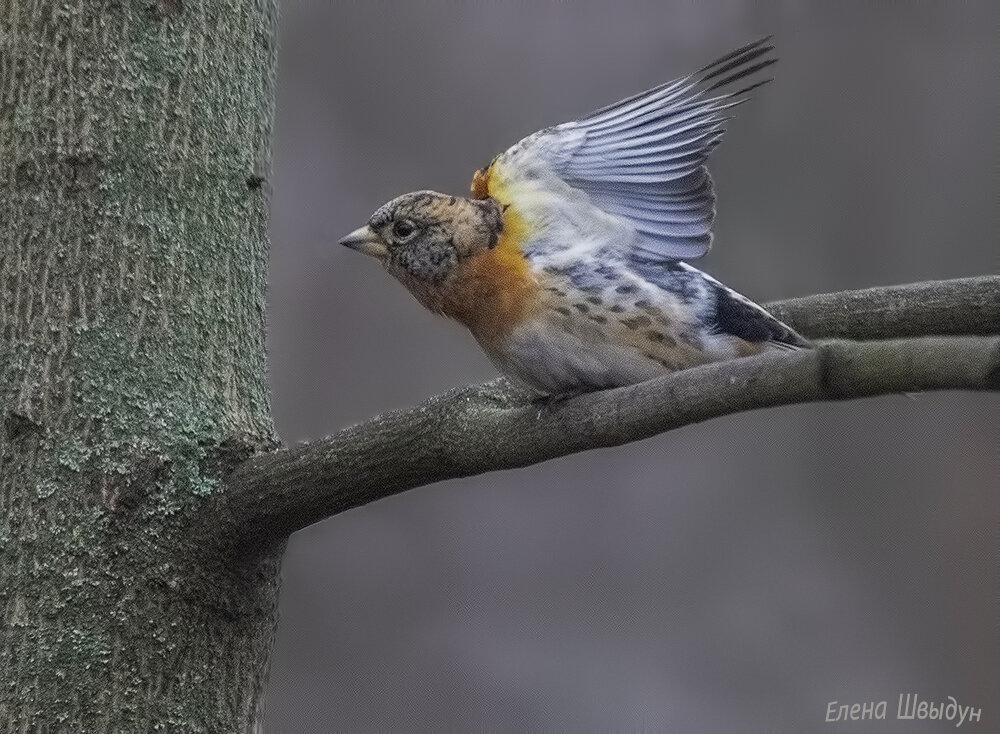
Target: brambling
{"type": "Point", "coordinates": [567, 264]}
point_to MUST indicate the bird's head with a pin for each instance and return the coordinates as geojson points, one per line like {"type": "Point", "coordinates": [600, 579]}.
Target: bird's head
{"type": "Point", "coordinates": [423, 236]}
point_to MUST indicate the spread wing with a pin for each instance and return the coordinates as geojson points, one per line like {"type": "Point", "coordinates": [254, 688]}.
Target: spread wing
{"type": "Point", "coordinates": [642, 159]}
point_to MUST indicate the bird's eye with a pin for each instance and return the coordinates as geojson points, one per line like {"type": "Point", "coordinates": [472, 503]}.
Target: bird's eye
{"type": "Point", "coordinates": [404, 229]}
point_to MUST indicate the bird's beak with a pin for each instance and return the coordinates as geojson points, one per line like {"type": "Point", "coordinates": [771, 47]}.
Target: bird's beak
{"type": "Point", "coordinates": [364, 239]}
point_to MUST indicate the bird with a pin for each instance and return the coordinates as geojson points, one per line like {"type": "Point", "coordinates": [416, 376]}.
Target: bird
{"type": "Point", "coordinates": [568, 261]}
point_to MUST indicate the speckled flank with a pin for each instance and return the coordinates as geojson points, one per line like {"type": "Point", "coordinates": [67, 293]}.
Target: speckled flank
{"type": "Point", "coordinates": [607, 334]}
{"type": "Point", "coordinates": [637, 322]}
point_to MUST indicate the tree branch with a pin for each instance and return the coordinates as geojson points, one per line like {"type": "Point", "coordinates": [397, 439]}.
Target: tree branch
{"type": "Point", "coordinates": [495, 426]}
{"type": "Point", "coordinates": [933, 308]}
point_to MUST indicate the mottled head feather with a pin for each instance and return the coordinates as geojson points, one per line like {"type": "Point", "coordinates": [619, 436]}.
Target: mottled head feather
{"type": "Point", "coordinates": [428, 234]}
{"type": "Point", "coordinates": [459, 257]}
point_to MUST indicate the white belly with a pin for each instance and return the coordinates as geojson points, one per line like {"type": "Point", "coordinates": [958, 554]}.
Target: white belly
{"type": "Point", "coordinates": [552, 359]}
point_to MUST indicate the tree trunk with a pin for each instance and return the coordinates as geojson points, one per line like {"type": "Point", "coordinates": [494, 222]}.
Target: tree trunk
{"type": "Point", "coordinates": [133, 160]}
{"type": "Point", "coordinates": [138, 565]}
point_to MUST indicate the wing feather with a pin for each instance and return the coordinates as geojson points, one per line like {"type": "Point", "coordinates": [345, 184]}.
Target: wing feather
{"type": "Point", "coordinates": [642, 159]}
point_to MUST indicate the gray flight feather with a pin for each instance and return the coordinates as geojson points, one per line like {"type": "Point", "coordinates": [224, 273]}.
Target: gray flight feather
{"type": "Point", "coordinates": [643, 158]}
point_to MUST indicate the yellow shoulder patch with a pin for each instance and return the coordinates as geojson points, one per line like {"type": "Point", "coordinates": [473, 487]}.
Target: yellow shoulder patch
{"type": "Point", "coordinates": [515, 229]}
{"type": "Point", "coordinates": [512, 236]}
{"type": "Point", "coordinates": [508, 249]}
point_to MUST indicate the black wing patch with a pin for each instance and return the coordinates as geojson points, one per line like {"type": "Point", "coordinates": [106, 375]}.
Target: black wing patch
{"type": "Point", "coordinates": [751, 323]}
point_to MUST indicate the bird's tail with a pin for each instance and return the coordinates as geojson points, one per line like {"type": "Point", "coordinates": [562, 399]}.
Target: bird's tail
{"type": "Point", "coordinates": [743, 318]}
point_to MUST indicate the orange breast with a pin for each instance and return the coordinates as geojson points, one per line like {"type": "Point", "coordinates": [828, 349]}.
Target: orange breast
{"type": "Point", "coordinates": [492, 291]}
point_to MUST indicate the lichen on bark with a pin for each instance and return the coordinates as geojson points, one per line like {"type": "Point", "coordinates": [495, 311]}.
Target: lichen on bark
{"type": "Point", "coordinates": [132, 268]}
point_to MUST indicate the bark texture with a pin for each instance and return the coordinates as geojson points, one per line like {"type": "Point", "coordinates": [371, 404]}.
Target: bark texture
{"type": "Point", "coordinates": [133, 153]}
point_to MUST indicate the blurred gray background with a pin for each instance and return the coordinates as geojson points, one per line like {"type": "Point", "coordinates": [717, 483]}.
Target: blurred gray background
{"type": "Point", "coordinates": [731, 576]}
